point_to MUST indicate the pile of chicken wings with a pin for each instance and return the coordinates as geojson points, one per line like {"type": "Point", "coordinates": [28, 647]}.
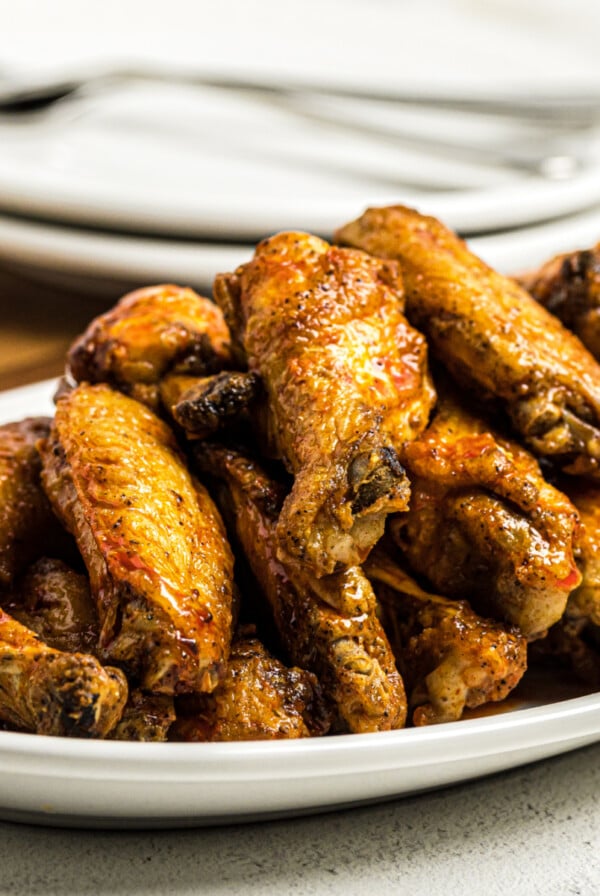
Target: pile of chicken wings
{"type": "Point", "coordinates": [352, 493]}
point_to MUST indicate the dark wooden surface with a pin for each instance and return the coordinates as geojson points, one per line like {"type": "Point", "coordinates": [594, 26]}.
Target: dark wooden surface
{"type": "Point", "coordinates": [37, 324]}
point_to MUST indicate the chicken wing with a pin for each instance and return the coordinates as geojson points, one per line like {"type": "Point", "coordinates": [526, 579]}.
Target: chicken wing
{"type": "Point", "coordinates": [346, 648]}
{"type": "Point", "coordinates": [450, 658]}
{"type": "Point", "coordinates": [55, 602]}
{"type": "Point", "coordinates": [50, 692]}
{"type": "Point", "coordinates": [27, 524]}
{"type": "Point", "coordinates": [146, 717]}
{"type": "Point", "coordinates": [346, 382]}
{"type": "Point", "coordinates": [492, 335]}
{"type": "Point", "coordinates": [204, 405]}
{"type": "Point", "coordinates": [149, 333]}
{"type": "Point", "coordinates": [569, 287]}
{"type": "Point", "coordinates": [485, 525]}
{"type": "Point", "coordinates": [584, 602]}
{"type": "Point", "coordinates": [160, 567]}
{"type": "Point", "coordinates": [259, 699]}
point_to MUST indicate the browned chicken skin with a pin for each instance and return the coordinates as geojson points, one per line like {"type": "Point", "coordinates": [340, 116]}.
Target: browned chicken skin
{"type": "Point", "coordinates": [346, 382]}
{"type": "Point", "coordinates": [346, 648]}
{"type": "Point", "coordinates": [55, 602]}
{"type": "Point", "coordinates": [148, 334]}
{"type": "Point", "coordinates": [492, 335]}
{"type": "Point", "coordinates": [50, 692]}
{"type": "Point", "coordinates": [259, 699]}
{"type": "Point", "coordinates": [146, 717]}
{"type": "Point", "coordinates": [27, 524]}
{"type": "Point", "coordinates": [160, 567]}
{"type": "Point", "coordinates": [484, 524]}
{"type": "Point", "coordinates": [450, 658]}
{"type": "Point", "coordinates": [204, 405]}
{"type": "Point", "coordinates": [569, 287]}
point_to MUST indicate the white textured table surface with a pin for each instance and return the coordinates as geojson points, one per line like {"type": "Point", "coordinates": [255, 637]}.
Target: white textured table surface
{"type": "Point", "coordinates": [535, 830]}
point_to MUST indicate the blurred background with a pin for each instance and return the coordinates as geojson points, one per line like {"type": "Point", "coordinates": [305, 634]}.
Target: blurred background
{"type": "Point", "coordinates": [145, 142]}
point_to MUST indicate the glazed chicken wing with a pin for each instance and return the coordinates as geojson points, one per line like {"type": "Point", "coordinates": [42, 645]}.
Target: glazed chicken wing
{"type": "Point", "coordinates": [450, 658]}
{"type": "Point", "coordinates": [492, 335]}
{"type": "Point", "coordinates": [55, 602]}
{"type": "Point", "coordinates": [259, 699]}
{"type": "Point", "coordinates": [346, 382]}
{"type": "Point", "coordinates": [328, 626]}
{"type": "Point", "coordinates": [50, 692]}
{"type": "Point", "coordinates": [569, 287]}
{"type": "Point", "coordinates": [148, 334]}
{"type": "Point", "coordinates": [484, 524]}
{"type": "Point", "coordinates": [160, 567]}
{"type": "Point", "coordinates": [584, 602]}
{"type": "Point", "coordinates": [27, 524]}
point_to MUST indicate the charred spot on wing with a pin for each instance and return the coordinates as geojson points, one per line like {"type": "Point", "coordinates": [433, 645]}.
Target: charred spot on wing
{"type": "Point", "coordinates": [221, 398]}
{"type": "Point", "coordinates": [372, 475]}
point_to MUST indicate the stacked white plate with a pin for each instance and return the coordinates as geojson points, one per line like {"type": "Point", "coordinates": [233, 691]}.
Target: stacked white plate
{"type": "Point", "coordinates": [147, 182]}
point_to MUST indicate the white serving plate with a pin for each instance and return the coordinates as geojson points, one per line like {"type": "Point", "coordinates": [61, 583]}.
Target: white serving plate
{"type": "Point", "coordinates": [218, 165]}
{"type": "Point", "coordinates": [112, 784]}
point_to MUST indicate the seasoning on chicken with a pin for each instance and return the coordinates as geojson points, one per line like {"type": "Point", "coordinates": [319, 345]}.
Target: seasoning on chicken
{"type": "Point", "coordinates": [485, 525]}
{"type": "Point", "coordinates": [346, 383]}
{"type": "Point", "coordinates": [204, 405]}
{"type": "Point", "coordinates": [149, 333]}
{"type": "Point", "coordinates": [259, 699]}
{"type": "Point", "coordinates": [47, 691]}
{"type": "Point", "coordinates": [491, 335]}
{"type": "Point", "coordinates": [584, 602]}
{"type": "Point", "coordinates": [450, 658]}
{"type": "Point", "coordinates": [27, 524]}
{"type": "Point", "coordinates": [347, 649]}
{"type": "Point", "coordinates": [569, 287]}
{"type": "Point", "coordinates": [160, 567]}
{"type": "Point", "coordinates": [55, 602]}
{"type": "Point", "coordinates": [146, 717]}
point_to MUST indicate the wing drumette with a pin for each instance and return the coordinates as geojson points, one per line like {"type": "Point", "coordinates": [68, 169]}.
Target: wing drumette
{"type": "Point", "coordinates": [569, 287]}
{"type": "Point", "coordinates": [492, 335]}
{"type": "Point", "coordinates": [346, 383]}
{"type": "Point", "coordinates": [328, 626]}
{"type": "Point", "coordinates": [27, 525]}
{"type": "Point", "coordinates": [55, 602]}
{"type": "Point", "coordinates": [485, 525]}
{"type": "Point", "coordinates": [259, 699]}
{"type": "Point", "coordinates": [575, 639]}
{"type": "Point", "coordinates": [50, 692]}
{"type": "Point", "coordinates": [148, 334]}
{"type": "Point", "coordinates": [160, 567]}
{"type": "Point", "coordinates": [450, 658]}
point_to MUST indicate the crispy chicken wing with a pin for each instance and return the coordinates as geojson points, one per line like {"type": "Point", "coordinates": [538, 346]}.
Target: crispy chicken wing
{"type": "Point", "coordinates": [27, 524]}
{"type": "Point", "coordinates": [584, 602]}
{"type": "Point", "coordinates": [50, 692]}
{"type": "Point", "coordinates": [492, 335]}
{"type": "Point", "coordinates": [328, 626]}
{"type": "Point", "coordinates": [146, 717]}
{"type": "Point", "coordinates": [55, 602]}
{"type": "Point", "coordinates": [450, 658]}
{"type": "Point", "coordinates": [259, 699]}
{"type": "Point", "coordinates": [160, 567]}
{"type": "Point", "coordinates": [484, 524]}
{"type": "Point", "coordinates": [569, 287]}
{"type": "Point", "coordinates": [346, 381]}
{"type": "Point", "coordinates": [148, 334]}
